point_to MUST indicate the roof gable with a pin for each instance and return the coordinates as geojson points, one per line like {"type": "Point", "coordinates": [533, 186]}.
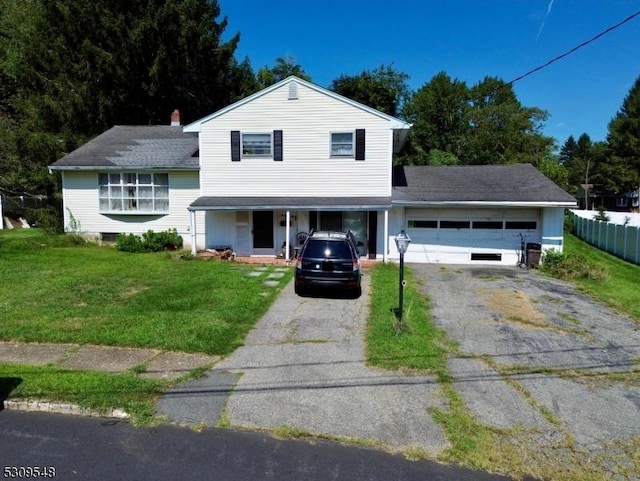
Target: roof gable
{"type": "Point", "coordinates": [291, 83]}
{"type": "Point", "coordinates": [512, 183]}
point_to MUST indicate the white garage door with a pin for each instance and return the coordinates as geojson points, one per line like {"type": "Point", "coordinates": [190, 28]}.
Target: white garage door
{"type": "Point", "coordinates": [479, 236]}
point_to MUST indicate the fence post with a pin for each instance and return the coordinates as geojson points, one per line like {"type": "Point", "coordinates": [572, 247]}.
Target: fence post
{"type": "Point", "coordinates": [1, 215]}
{"type": "Point", "coordinates": [624, 243]}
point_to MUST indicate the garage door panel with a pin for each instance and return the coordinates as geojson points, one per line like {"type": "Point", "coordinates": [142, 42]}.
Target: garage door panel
{"type": "Point", "coordinates": [486, 243]}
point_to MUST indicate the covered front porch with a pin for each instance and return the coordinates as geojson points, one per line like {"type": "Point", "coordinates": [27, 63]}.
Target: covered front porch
{"type": "Point", "coordinates": [277, 227]}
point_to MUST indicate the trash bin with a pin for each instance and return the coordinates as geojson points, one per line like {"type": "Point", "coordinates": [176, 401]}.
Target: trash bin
{"type": "Point", "coordinates": [534, 251]}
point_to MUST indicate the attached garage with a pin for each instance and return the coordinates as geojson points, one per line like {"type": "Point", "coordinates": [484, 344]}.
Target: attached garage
{"type": "Point", "coordinates": [475, 214]}
{"type": "Point", "coordinates": [461, 236]}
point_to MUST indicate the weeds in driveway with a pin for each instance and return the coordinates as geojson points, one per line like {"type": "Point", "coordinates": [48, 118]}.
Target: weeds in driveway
{"type": "Point", "coordinates": [546, 453]}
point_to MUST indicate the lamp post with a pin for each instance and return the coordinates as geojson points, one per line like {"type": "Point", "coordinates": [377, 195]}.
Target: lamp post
{"type": "Point", "coordinates": [402, 243]}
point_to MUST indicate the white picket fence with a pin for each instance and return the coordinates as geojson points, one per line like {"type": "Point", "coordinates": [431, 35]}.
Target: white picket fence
{"type": "Point", "coordinates": [615, 237]}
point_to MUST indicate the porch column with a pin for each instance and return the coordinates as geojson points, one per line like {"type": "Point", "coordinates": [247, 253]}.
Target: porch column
{"type": "Point", "coordinates": [386, 236]}
{"type": "Point", "coordinates": [287, 232]}
{"type": "Point", "coordinates": [192, 221]}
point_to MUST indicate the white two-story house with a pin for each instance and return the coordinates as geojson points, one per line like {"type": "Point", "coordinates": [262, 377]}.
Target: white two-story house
{"type": "Point", "coordinates": [295, 157]}
{"type": "Point", "coordinates": [291, 158]}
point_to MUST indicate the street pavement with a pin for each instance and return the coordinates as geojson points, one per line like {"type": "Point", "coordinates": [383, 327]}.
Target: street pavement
{"type": "Point", "coordinates": [87, 449]}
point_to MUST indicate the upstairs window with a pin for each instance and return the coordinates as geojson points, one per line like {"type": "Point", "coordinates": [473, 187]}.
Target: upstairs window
{"type": "Point", "coordinates": [251, 145]}
{"type": "Point", "coordinates": [131, 193]}
{"type": "Point", "coordinates": [256, 145]}
{"type": "Point", "coordinates": [342, 144]}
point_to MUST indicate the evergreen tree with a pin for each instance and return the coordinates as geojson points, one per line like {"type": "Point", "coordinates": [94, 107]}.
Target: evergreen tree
{"type": "Point", "coordinates": [284, 67]}
{"type": "Point", "coordinates": [77, 67]}
{"type": "Point", "coordinates": [624, 141]}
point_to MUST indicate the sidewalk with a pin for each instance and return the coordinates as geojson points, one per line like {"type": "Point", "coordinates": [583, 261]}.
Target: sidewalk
{"type": "Point", "coordinates": [157, 364]}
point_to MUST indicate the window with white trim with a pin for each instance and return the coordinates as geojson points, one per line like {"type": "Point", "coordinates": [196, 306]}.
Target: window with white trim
{"type": "Point", "coordinates": [621, 201]}
{"type": "Point", "coordinates": [133, 192]}
{"type": "Point", "coordinates": [256, 145]}
{"type": "Point", "coordinates": [342, 144]}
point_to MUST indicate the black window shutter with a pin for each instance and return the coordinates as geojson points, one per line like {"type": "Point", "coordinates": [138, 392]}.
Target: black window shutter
{"type": "Point", "coordinates": [235, 145]}
{"type": "Point", "coordinates": [277, 145]}
{"type": "Point", "coordinates": [359, 144]}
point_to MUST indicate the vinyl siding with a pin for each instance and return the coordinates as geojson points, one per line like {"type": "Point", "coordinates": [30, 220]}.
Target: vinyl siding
{"type": "Point", "coordinates": [80, 191]}
{"type": "Point", "coordinates": [307, 168]}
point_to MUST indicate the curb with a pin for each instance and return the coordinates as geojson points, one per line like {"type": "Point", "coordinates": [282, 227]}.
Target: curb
{"type": "Point", "coordinates": [31, 405]}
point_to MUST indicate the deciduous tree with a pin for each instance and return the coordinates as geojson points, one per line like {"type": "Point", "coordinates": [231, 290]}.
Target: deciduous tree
{"type": "Point", "coordinates": [383, 88]}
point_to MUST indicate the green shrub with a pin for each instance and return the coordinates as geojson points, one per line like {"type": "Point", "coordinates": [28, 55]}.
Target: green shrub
{"type": "Point", "coordinates": [129, 243]}
{"type": "Point", "coordinates": [149, 241]}
{"type": "Point", "coordinates": [571, 266]}
{"type": "Point", "coordinates": [48, 218]}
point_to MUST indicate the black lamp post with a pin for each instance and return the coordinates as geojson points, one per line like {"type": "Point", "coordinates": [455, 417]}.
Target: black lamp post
{"type": "Point", "coordinates": [402, 243]}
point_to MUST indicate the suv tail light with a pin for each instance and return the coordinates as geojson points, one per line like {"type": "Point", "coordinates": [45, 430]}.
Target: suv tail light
{"type": "Point", "coordinates": [299, 262]}
{"type": "Point", "coordinates": [356, 264]}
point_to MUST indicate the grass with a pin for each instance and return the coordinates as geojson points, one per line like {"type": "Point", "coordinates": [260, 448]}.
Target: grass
{"type": "Point", "coordinates": [620, 289]}
{"type": "Point", "coordinates": [54, 290]}
{"type": "Point", "coordinates": [419, 345]}
{"type": "Point", "coordinates": [59, 289]}
{"type": "Point", "coordinates": [97, 391]}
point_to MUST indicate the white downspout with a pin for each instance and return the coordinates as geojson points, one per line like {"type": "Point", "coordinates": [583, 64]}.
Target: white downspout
{"type": "Point", "coordinates": [192, 221]}
{"type": "Point", "coordinates": [287, 233]}
{"type": "Point", "coordinates": [386, 236]}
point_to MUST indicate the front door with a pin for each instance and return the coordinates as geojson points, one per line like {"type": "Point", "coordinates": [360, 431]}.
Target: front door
{"type": "Point", "coordinates": [263, 230]}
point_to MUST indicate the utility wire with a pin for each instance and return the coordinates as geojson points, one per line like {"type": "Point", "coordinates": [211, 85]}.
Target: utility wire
{"type": "Point", "coordinates": [577, 47]}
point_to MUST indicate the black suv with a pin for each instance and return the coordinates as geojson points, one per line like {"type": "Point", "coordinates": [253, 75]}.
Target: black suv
{"type": "Point", "coordinates": [328, 259]}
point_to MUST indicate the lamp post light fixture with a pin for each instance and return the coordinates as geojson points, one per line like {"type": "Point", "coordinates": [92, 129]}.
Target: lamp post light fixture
{"type": "Point", "coordinates": [402, 243]}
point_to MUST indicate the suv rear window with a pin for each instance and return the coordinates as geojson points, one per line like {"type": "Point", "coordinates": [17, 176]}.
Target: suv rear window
{"type": "Point", "coordinates": [325, 249]}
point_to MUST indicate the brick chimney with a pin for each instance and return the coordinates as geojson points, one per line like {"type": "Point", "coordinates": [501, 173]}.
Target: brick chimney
{"type": "Point", "coordinates": [175, 118]}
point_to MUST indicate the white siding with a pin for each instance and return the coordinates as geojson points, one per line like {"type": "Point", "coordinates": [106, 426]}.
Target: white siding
{"type": "Point", "coordinates": [307, 168]}
{"type": "Point", "coordinates": [80, 193]}
{"type": "Point", "coordinates": [552, 228]}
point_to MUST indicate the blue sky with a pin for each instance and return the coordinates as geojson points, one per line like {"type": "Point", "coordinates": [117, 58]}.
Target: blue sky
{"type": "Point", "coordinates": [468, 39]}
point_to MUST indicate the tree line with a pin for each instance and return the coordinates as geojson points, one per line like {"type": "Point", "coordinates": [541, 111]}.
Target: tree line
{"type": "Point", "coordinates": [70, 69]}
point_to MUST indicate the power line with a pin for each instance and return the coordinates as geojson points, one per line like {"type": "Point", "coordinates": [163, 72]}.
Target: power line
{"type": "Point", "coordinates": [577, 47]}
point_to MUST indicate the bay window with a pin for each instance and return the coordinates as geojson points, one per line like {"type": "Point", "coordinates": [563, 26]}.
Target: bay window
{"type": "Point", "coordinates": [133, 192]}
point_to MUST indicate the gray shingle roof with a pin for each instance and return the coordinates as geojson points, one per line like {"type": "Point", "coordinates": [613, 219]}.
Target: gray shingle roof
{"type": "Point", "coordinates": [475, 183]}
{"type": "Point", "coordinates": [128, 147]}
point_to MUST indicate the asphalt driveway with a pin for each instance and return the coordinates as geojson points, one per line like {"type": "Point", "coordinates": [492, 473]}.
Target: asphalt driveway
{"type": "Point", "coordinates": [552, 371]}
{"type": "Point", "coordinates": [536, 354]}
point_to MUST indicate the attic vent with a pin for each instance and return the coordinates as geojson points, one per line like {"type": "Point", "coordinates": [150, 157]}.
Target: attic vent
{"type": "Point", "coordinates": [293, 91]}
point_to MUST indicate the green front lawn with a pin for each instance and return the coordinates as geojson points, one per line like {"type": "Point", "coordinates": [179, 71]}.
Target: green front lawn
{"type": "Point", "coordinates": [54, 290]}
{"type": "Point", "coordinates": [620, 289]}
